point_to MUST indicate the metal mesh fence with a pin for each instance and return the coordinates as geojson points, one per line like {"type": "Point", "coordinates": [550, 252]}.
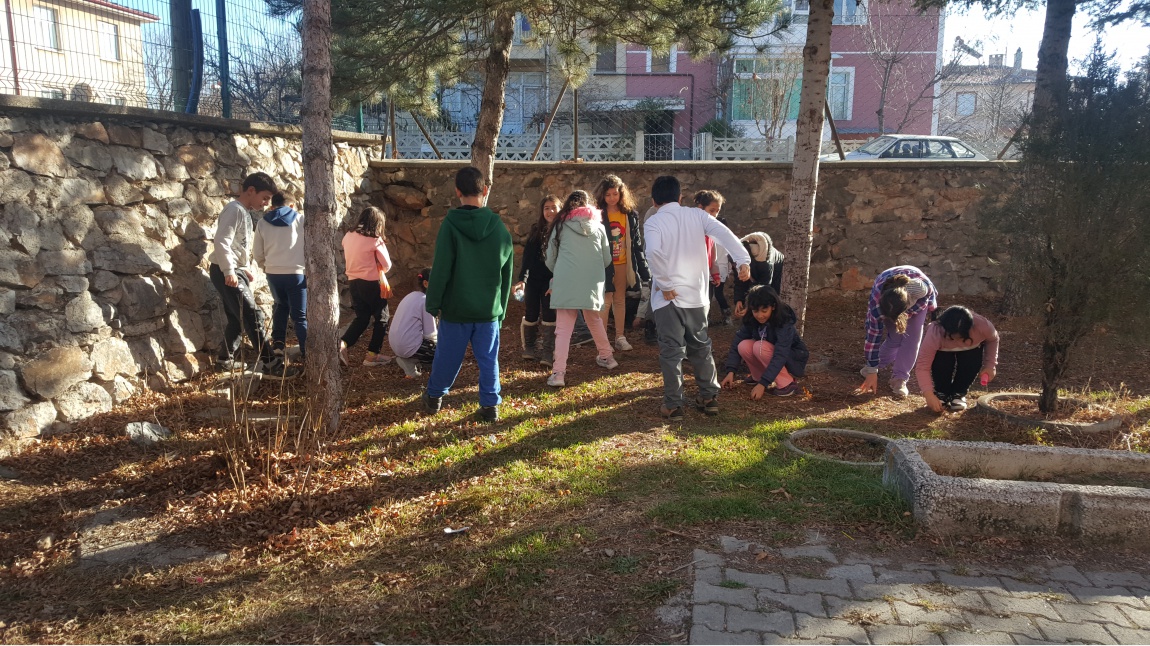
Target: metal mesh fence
{"type": "Point", "coordinates": [230, 58]}
{"type": "Point", "coordinates": [213, 57]}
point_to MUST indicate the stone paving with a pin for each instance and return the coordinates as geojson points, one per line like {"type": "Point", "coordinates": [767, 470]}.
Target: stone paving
{"type": "Point", "coordinates": [813, 596]}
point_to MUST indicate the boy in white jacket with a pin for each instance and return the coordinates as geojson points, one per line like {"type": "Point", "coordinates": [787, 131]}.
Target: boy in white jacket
{"type": "Point", "coordinates": [680, 272]}
{"type": "Point", "coordinates": [278, 250]}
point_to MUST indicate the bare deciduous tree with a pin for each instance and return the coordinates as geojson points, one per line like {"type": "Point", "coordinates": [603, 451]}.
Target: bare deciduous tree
{"type": "Point", "coordinates": [158, 69]}
{"type": "Point", "coordinates": [896, 37]}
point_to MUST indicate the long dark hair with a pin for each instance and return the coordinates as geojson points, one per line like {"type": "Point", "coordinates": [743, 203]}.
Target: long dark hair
{"type": "Point", "coordinates": [574, 201]}
{"type": "Point", "coordinates": [541, 226]}
{"type": "Point", "coordinates": [626, 201]}
{"type": "Point", "coordinates": [956, 321]}
{"type": "Point", "coordinates": [763, 296]}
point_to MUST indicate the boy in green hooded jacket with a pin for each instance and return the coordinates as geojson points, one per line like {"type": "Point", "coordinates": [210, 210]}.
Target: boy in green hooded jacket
{"type": "Point", "coordinates": [470, 283]}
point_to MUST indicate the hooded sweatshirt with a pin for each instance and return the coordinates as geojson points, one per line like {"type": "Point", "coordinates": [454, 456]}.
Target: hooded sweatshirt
{"type": "Point", "coordinates": [278, 246]}
{"type": "Point", "coordinates": [766, 265]}
{"type": "Point", "coordinates": [473, 265]}
{"type": "Point", "coordinates": [790, 351]}
{"type": "Point", "coordinates": [577, 257]}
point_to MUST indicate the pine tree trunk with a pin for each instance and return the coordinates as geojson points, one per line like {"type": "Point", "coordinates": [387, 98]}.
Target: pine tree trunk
{"type": "Point", "coordinates": [808, 146]}
{"type": "Point", "coordinates": [494, 86]}
{"type": "Point", "coordinates": [325, 383]}
{"type": "Point", "coordinates": [1053, 365]}
{"type": "Point", "coordinates": [1050, 81]}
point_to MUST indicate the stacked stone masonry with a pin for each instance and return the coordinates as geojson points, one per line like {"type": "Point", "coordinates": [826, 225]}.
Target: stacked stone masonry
{"type": "Point", "coordinates": [868, 216]}
{"type": "Point", "coordinates": [105, 225]}
{"type": "Point", "coordinates": [107, 215]}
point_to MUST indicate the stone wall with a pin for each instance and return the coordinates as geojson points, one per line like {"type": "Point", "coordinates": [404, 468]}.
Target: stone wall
{"type": "Point", "coordinates": [106, 218]}
{"type": "Point", "coordinates": [868, 216]}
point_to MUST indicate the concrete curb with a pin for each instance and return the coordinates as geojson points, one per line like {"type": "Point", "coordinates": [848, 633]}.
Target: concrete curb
{"type": "Point", "coordinates": [871, 437]}
{"type": "Point", "coordinates": [986, 406]}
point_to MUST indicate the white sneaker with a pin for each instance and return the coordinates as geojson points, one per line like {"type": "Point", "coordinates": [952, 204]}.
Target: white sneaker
{"type": "Point", "coordinates": [608, 363]}
{"type": "Point", "coordinates": [622, 345]}
{"type": "Point", "coordinates": [556, 380]}
{"type": "Point", "coordinates": [898, 388]}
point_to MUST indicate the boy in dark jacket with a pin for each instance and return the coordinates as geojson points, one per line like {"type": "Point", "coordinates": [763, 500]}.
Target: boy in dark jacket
{"type": "Point", "coordinates": [468, 291]}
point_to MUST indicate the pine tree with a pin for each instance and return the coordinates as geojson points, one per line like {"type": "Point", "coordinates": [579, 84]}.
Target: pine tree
{"type": "Point", "coordinates": [405, 49]}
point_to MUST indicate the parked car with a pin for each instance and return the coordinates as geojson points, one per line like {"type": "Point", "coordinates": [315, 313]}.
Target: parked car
{"type": "Point", "coordinates": [903, 147]}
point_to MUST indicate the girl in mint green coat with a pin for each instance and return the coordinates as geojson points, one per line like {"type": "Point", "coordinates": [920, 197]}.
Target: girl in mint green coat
{"type": "Point", "coordinates": [578, 253]}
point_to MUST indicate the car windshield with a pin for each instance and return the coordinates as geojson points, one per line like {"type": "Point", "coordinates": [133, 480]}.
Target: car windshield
{"type": "Point", "coordinates": [876, 146]}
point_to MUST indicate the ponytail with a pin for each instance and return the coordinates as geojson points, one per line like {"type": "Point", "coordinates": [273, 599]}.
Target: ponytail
{"type": "Point", "coordinates": [894, 301]}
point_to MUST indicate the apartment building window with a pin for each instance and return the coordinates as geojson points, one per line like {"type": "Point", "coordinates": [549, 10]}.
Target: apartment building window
{"type": "Point", "coordinates": [109, 41]}
{"type": "Point", "coordinates": [662, 63]}
{"type": "Point", "coordinates": [52, 93]}
{"type": "Point", "coordinates": [840, 93]}
{"type": "Point", "coordinates": [524, 101]}
{"type": "Point", "coordinates": [46, 32]}
{"type": "Point", "coordinates": [766, 89]}
{"type": "Point", "coordinates": [965, 103]}
{"type": "Point", "coordinates": [847, 12]}
{"type": "Point", "coordinates": [605, 61]}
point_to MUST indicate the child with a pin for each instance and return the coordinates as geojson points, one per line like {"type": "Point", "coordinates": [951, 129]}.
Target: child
{"type": "Point", "coordinates": [577, 253]}
{"type": "Point", "coordinates": [956, 348]}
{"type": "Point", "coordinates": [628, 263]}
{"type": "Point", "coordinates": [229, 273]}
{"type": "Point", "coordinates": [712, 203]}
{"type": "Point", "coordinates": [473, 261]}
{"type": "Point", "coordinates": [413, 333]}
{"type": "Point", "coordinates": [677, 251]}
{"type": "Point", "coordinates": [365, 262]}
{"type": "Point", "coordinates": [769, 343]}
{"type": "Point", "coordinates": [900, 301]}
{"type": "Point", "coordinates": [535, 280]}
{"type": "Point", "coordinates": [278, 250]}
{"type": "Point", "coordinates": [766, 268]}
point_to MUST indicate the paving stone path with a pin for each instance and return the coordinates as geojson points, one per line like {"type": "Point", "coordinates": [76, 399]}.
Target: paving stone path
{"type": "Point", "coordinates": [746, 594]}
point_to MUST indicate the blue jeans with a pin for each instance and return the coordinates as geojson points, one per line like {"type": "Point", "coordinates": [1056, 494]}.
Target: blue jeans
{"type": "Point", "coordinates": [450, 350]}
{"type": "Point", "coordinates": [290, 294]}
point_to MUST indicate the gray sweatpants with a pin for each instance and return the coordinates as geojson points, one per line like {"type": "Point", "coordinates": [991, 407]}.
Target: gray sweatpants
{"type": "Point", "coordinates": [683, 334]}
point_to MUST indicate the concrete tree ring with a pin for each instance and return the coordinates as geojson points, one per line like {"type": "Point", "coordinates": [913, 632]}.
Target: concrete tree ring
{"type": "Point", "coordinates": [986, 405]}
{"type": "Point", "coordinates": [844, 432]}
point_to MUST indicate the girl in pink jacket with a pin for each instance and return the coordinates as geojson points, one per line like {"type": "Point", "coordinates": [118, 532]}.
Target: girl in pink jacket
{"type": "Point", "coordinates": [956, 348]}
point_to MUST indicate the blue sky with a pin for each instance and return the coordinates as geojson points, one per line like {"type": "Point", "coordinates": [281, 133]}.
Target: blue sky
{"type": "Point", "coordinates": [1003, 35]}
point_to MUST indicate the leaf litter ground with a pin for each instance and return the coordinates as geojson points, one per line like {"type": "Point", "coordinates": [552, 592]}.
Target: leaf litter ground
{"type": "Point", "coordinates": [581, 506]}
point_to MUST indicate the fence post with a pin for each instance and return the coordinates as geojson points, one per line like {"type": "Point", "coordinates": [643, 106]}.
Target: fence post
{"type": "Point", "coordinates": [575, 123]}
{"type": "Point", "coordinates": [225, 74]}
{"type": "Point", "coordinates": [180, 15]}
{"type": "Point", "coordinates": [639, 140]}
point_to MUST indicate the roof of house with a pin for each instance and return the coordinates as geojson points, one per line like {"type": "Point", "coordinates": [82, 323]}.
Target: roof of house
{"type": "Point", "coordinates": [985, 75]}
{"type": "Point", "coordinates": [142, 16]}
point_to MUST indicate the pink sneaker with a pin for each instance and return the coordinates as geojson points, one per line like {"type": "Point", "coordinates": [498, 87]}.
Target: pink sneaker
{"type": "Point", "coordinates": [378, 359]}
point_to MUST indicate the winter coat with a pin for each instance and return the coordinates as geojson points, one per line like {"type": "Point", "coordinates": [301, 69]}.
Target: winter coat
{"type": "Point", "coordinates": [790, 350]}
{"type": "Point", "coordinates": [766, 266]}
{"type": "Point", "coordinates": [577, 258]}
